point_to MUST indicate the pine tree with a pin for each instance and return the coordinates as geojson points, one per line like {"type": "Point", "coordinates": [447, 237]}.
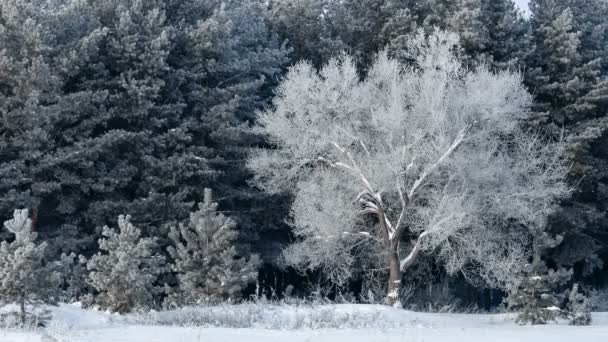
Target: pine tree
{"type": "Point", "coordinates": [206, 261]}
{"type": "Point", "coordinates": [401, 24]}
{"type": "Point", "coordinates": [537, 298]}
{"type": "Point", "coordinates": [306, 26]}
{"type": "Point", "coordinates": [126, 269]}
{"type": "Point", "coordinates": [555, 67]}
{"type": "Point", "coordinates": [359, 25]}
{"type": "Point", "coordinates": [506, 29]}
{"type": "Point", "coordinates": [474, 36]}
{"type": "Point", "coordinates": [28, 91]}
{"type": "Point", "coordinates": [491, 31]}
{"type": "Point", "coordinates": [73, 270]}
{"type": "Point", "coordinates": [136, 106]}
{"type": "Point", "coordinates": [227, 80]}
{"type": "Point", "coordinates": [565, 72]}
{"type": "Point", "coordinates": [579, 307]}
{"type": "Point", "coordinates": [27, 276]}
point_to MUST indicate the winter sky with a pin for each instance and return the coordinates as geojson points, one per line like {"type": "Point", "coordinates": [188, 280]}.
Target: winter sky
{"type": "Point", "coordinates": [523, 4]}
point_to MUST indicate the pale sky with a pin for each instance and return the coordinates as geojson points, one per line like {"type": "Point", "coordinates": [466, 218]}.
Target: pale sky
{"type": "Point", "coordinates": [523, 4]}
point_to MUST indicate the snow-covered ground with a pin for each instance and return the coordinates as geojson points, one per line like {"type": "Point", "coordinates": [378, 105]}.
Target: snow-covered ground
{"type": "Point", "coordinates": [334, 323]}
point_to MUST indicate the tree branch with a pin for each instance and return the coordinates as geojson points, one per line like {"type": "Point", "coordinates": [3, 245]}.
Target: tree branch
{"type": "Point", "coordinates": [409, 260]}
{"type": "Point", "coordinates": [446, 154]}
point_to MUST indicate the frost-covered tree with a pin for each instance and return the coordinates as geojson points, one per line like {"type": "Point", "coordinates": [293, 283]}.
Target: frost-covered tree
{"type": "Point", "coordinates": [126, 269]}
{"type": "Point", "coordinates": [561, 79]}
{"type": "Point", "coordinates": [113, 106]}
{"type": "Point", "coordinates": [411, 160]}
{"type": "Point", "coordinates": [579, 307]}
{"type": "Point", "coordinates": [564, 71]}
{"type": "Point", "coordinates": [206, 261]}
{"type": "Point", "coordinates": [358, 25]}
{"type": "Point", "coordinates": [28, 90]}
{"type": "Point", "coordinates": [27, 276]}
{"type": "Point", "coordinates": [306, 27]}
{"type": "Point", "coordinates": [74, 275]}
{"type": "Point", "coordinates": [491, 31]}
{"type": "Point", "coordinates": [537, 298]}
{"type": "Point", "coordinates": [506, 29]}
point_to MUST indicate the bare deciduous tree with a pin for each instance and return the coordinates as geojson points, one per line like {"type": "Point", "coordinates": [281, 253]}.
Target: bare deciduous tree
{"type": "Point", "coordinates": [434, 153]}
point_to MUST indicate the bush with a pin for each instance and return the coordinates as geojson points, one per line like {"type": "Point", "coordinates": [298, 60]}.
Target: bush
{"type": "Point", "coordinates": [579, 307]}
{"type": "Point", "coordinates": [599, 299]}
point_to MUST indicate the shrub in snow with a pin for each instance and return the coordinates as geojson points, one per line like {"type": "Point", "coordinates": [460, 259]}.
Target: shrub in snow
{"type": "Point", "coordinates": [125, 272]}
{"type": "Point", "coordinates": [206, 261]}
{"type": "Point", "coordinates": [599, 299]}
{"type": "Point", "coordinates": [537, 298]}
{"type": "Point", "coordinates": [579, 307]}
{"type": "Point", "coordinates": [74, 275]}
{"type": "Point", "coordinates": [25, 275]}
{"type": "Point", "coordinates": [274, 316]}
{"type": "Point", "coordinates": [408, 161]}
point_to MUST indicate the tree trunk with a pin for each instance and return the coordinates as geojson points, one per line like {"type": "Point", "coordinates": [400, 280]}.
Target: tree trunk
{"type": "Point", "coordinates": [22, 313]}
{"type": "Point", "coordinates": [394, 278]}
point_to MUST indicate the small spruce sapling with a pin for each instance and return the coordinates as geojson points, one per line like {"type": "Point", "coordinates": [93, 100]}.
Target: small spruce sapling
{"type": "Point", "coordinates": [73, 269]}
{"type": "Point", "coordinates": [207, 264]}
{"type": "Point", "coordinates": [125, 271]}
{"type": "Point", "coordinates": [26, 277]}
{"type": "Point", "coordinates": [537, 297]}
{"type": "Point", "coordinates": [578, 308]}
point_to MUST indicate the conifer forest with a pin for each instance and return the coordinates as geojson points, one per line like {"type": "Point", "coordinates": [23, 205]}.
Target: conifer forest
{"type": "Point", "coordinates": [430, 156]}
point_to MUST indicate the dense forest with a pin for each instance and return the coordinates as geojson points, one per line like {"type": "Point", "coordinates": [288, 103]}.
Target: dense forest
{"type": "Point", "coordinates": [136, 139]}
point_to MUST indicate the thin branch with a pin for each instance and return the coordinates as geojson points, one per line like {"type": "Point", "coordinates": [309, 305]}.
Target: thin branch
{"type": "Point", "coordinates": [409, 260]}
{"type": "Point", "coordinates": [446, 154]}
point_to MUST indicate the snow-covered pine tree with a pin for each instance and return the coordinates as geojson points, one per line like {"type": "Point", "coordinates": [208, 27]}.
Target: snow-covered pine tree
{"type": "Point", "coordinates": [126, 270]}
{"type": "Point", "coordinates": [73, 269]}
{"type": "Point", "coordinates": [537, 297]}
{"type": "Point", "coordinates": [27, 90]}
{"type": "Point", "coordinates": [491, 31]}
{"type": "Point", "coordinates": [113, 106]}
{"type": "Point", "coordinates": [306, 27]}
{"type": "Point", "coordinates": [579, 307]}
{"type": "Point", "coordinates": [560, 79]}
{"type": "Point", "coordinates": [26, 277]}
{"type": "Point", "coordinates": [506, 29]}
{"type": "Point", "coordinates": [206, 260]}
{"type": "Point", "coordinates": [564, 61]}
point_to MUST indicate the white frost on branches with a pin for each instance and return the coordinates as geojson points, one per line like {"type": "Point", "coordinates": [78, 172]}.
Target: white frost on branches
{"type": "Point", "coordinates": [26, 277]}
{"type": "Point", "coordinates": [433, 153]}
{"type": "Point", "coordinates": [126, 270]}
{"type": "Point", "coordinates": [206, 261]}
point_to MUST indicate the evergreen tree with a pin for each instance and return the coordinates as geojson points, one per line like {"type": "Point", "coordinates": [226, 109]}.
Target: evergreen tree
{"type": "Point", "coordinates": [565, 72]}
{"type": "Point", "coordinates": [536, 298]}
{"type": "Point", "coordinates": [579, 307]}
{"type": "Point", "coordinates": [206, 261]}
{"type": "Point", "coordinates": [491, 31]}
{"type": "Point", "coordinates": [307, 28]}
{"type": "Point", "coordinates": [28, 90]}
{"type": "Point", "coordinates": [27, 276]}
{"type": "Point", "coordinates": [556, 70]}
{"type": "Point", "coordinates": [401, 24]}
{"type": "Point", "coordinates": [231, 63]}
{"type": "Point", "coordinates": [73, 270]}
{"type": "Point", "coordinates": [125, 271]}
{"type": "Point", "coordinates": [506, 30]}
{"type": "Point", "coordinates": [138, 106]}
{"type": "Point", "coordinates": [360, 24]}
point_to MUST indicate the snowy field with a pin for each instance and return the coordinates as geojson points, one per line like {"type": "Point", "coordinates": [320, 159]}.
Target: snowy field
{"type": "Point", "coordinates": [352, 323]}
